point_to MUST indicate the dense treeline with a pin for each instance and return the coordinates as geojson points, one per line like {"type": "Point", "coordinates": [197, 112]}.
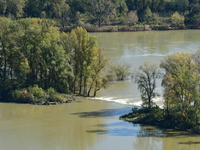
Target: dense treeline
{"type": "Point", "coordinates": [34, 52]}
{"type": "Point", "coordinates": [85, 13]}
{"type": "Point", "coordinates": [181, 83]}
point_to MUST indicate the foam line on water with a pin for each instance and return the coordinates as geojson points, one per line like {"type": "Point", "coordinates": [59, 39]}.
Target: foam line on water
{"type": "Point", "coordinates": [130, 101]}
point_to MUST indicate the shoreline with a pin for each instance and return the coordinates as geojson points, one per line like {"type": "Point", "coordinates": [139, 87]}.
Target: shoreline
{"type": "Point", "coordinates": [92, 29]}
{"type": "Point", "coordinates": [155, 117]}
{"type": "Point", "coordinates": [134, 120]}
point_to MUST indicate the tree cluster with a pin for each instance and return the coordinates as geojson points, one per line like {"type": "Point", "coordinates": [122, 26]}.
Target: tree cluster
{"type": "Point", "coordinates": [181, 83]}
{"type": "Point", "coordinates": [106, 12]}
{"type": "Point", "coordinates": [34, 52]}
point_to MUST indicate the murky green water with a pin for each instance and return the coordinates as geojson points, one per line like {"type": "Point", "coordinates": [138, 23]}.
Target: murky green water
{"type": "Point", "coordinates": [94, 124]}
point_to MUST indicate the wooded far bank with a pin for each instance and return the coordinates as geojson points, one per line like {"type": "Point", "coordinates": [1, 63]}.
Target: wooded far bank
{"type": "Point", "coordinates": [127, 15]}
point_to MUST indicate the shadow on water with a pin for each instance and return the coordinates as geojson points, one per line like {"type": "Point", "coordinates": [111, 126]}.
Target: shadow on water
{"type": "Point", "coordinates": [102, 113]}
{"type": "Point", "coordinates": [136, 130]}
{"type": "Point", "coordinates": [189, 142]}
{"type": "Point", "coordinates": [122, 128]}
{"type": "Point", "coordinates": [117, 129]}
{"type": "Point", "coordinates": [149, 131]}
{"type": "Point", "coordinates": [116, 132]}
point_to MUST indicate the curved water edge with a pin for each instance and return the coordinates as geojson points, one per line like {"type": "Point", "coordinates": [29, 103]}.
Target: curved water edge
{"type": "Point", "coordinates": [130, 101]}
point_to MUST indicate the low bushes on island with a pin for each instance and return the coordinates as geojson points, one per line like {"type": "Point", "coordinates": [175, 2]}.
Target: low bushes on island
{"type": "Point", "coordinates": [158, 117]}
{"type": "Point", "coordinates": [36, 95]}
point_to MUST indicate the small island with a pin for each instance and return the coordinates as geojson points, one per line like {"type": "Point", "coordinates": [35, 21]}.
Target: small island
{"type": "Point", "coordinates": [180, 78]}
{"type": "Point", "coordinates": [40, 65]}
{"type": "Point", "coordinates": [156, 117]}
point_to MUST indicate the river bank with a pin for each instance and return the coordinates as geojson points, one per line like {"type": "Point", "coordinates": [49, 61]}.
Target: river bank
{"type": "Point", "coordinates": [131, 28]}
{"type": "Point", "coordinates": [156, 116]}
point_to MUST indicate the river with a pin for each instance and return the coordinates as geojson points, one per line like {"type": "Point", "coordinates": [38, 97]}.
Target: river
{"type": "Point", "coordinates": [135, 48]}
{"type": "Point", "coordinates": [89, 124]}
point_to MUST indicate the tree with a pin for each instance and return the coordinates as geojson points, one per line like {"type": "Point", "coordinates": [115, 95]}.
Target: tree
{"type": "Point", "coordinates": [12, 7]}
{"type": "Point", "coordinates": [38, 45]}
{"type": "Point", "coordinates": [146, 80]}
{"type": "Point", "coordinates": [193, 18]}
{"type": "Point", "coordinates": [101, 10]}
{"type": "Point", "coordinates": [97, 78]}
{"type": "Point", "coordinates": [82, 49]}
{"type": "Point", "coordinates": [121, 8]}
{"type": "Point", "coordinates": [177, 19]}
{"type": "Point", "coordinates": [148, 16]}
{"type": "Point", "coordinates": [131, 18]}
{"type": "Point", "coordinates": [4, 52]}
{"type": "Point", "coordinates": [64, 14]}
{"type": "Point", "coordinates": [181, 84]}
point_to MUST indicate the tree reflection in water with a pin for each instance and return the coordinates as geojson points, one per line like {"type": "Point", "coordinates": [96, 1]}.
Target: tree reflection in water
{"type": "Point", "coordinates": [152, 138]}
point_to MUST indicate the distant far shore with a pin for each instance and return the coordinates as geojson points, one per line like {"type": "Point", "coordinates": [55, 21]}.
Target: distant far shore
{"type": "Point", "coordinates": [131, 28]}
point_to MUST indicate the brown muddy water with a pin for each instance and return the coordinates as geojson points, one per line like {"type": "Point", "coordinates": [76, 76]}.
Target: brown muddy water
{"type": "Point", "coordinates": [135, 48]}
{"type": "Point", "coordinates": [92, 124]}
{"type": "Point", "coordinates": [84, 125]}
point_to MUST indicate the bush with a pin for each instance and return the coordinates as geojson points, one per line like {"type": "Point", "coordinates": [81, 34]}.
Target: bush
{"type": "Point", "coordinates": [37, 92]}
{"type": "Point", "coordinates": [51, 91]}
{"type": "Point", "coordinates": [131, 18]}
{"type": "Point", "coordinates": [196, 129]}
{"type": "Point", "coordinates": [21, 96]}
{"type": "Point", "coordinates": [177, 19]}
{"type": "Point", "coordinates": [157, 114]}
{"type": "Point", "coordinates": [56, 98]}
{"type": "Point", "coordinates": [121, 70]}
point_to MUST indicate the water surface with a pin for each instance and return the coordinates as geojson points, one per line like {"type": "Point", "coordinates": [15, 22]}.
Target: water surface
{"type": "Point", "coordinates": [94, 124]}
{"type": "Point", "coordinates": [84, 125]}
{"type": "Point", "coordinates": [135, 48]}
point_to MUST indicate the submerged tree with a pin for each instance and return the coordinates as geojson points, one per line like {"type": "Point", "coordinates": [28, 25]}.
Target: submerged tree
{"type": "Point", "coordinates": [121, 71]}
{"type": "Point", "coordinates": [146, 80]}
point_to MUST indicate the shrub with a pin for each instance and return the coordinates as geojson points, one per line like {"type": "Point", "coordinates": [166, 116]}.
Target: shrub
{"type": "Point", "coordinates": [121, 70]}
{"type": "Point", "coordinates": [38, 93]}
{"type": "Point", "coordinates": [196, 129]}
{"type": "Point", "coordinates": [56, 98]}
{"type": "Point", "coordinates": [131, 18]}
{"type": "Point", "coordinates": [51, 91]}
{"type": "Point", "coordinates": [157, 114]}
{"type": "Point", "coordinates": [21, 96]}
{"type": "Point", "coordinates": [177, 19]}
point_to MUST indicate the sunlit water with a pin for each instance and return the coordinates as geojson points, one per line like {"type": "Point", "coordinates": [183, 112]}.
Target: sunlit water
{"type": "Point", "coordinates": [135, 48]}
{"type": "Point", "coordinates": [83, 125]}
{"type": "Point", "coordinates": [89, 124]}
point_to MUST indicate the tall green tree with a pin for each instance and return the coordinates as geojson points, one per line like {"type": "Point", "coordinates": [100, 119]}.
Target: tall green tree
{"type": "Point", "coordinates": [15, 8]}
{"type": "Point", "coordinates": [98, 79]}
{"type": "Point", "coordinates": [181, 84]}
{"type": "Point", "coordinates": [82, 49]}
{"type": "Point", "coordinates": [101, 10]}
